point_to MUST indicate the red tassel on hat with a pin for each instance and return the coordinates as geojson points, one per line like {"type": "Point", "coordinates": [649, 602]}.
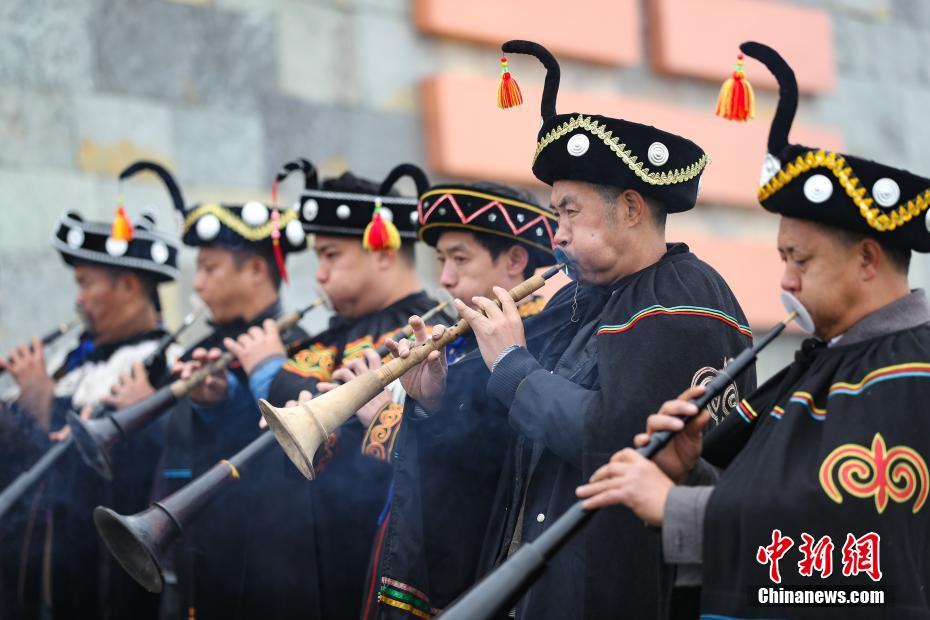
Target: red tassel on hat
{"type": "Point", "coordinates": [276, 233]}
{"type": "Point", "coordinates": [122, 227]}
{"type": "Point", "coordinates": [276, 244]}
{"type": "Point", "coordinates": [737, 102]}
{"type": "Point", "coordinates": [380, 234]}
{"type": "Point", "coordinates": [508, 91]}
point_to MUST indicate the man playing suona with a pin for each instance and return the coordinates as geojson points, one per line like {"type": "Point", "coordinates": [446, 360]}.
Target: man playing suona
{"type": "Point", "coordinates": [824, 478]}
{"type": "Point", "coordinates": [51, 560]}
{"type": "Point", "coordinates": [664, 319]}
{"type": "Point", "coordinates": [238, 278]}
{"type": "Point", "coordinates": [314, 562]}
{"type": "Point", "coordinates": [427, 549]}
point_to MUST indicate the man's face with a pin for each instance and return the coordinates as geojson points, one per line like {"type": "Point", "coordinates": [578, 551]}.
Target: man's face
{"type": "Point", "coordinates": [344, 271]}
{"type": "Point", "coordinates": [220, 284]}
{"type": "Point", "coordinates": [594, 242]}
{"type": "Point", "coordinates": [821, 271]}
{"type": "Point", "coordinates": [467, 269]}
{"type": "Point", "coordinates": [99, 298]}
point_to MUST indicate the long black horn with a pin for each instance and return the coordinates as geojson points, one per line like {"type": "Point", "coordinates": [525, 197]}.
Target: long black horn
{"type": "Point", "coordinates": [139, 541]}
{"type": "Point", "coordinates": [311, 180]}
{"type": "Point", "coordinates": [496, 594]}
{"type": "Point", "coordinates": [787, 92]}
{"type": "Point", "coordinates": [163, 174]}
{"type": "Point", "coordinates": [32, 476]}
{"type": "Point", "coordinates": [96, 438]}
{"type": "Point", "coordinates": [405, 170]}
{"type": "Point", "coordinates": [553, 73]}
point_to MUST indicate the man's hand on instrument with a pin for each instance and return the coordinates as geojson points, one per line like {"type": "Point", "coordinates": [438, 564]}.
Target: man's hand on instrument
{"type": "Point", "coordinates": [256, 345]}
{"type": "Point", "coordinates": [631, 480]}
{"type": "Point", "coordinates": [304, 397]}
{"type": "Point", "coordinates": [496, 329]}
{"type": "Point", "coordinates": [352, 369]}
{"type": "Point", "coordinates": [65, 431]}
{"type": "Point", "coordinates": [26, 364]}
{"type": "Point", "coordinates": [680, 455]}
{"type": "Point", "coordinates": [425, 382]}
{"type": "Point", "coordinates": [131, 388]}
{"type": "Point", "coordinates": [215, 388]}
{"type": "Point", "coordinates": [641, 484]}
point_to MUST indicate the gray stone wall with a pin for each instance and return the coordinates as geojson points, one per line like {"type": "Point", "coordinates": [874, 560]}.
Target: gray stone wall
{"type": "Point", "coordinates": [224, 91]}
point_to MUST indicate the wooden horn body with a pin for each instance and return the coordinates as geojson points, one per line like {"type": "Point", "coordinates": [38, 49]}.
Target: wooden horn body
{"type": "Point", "coordinates": [303, 428]}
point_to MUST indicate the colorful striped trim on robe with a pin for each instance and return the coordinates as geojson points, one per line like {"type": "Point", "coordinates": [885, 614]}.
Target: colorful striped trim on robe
{"type": "Point", "coordinates": [806, 400]}
{"type": "Point", "coordinates": [400, 595]}
{"type": "Point", "coordinates": [887, 373]}
{"type": "Point", "coordinates": [746, 412]}
{"type": "Point", "coordinates": [675, 311]}
{"type": "Point", "coordinates": [843, 388]}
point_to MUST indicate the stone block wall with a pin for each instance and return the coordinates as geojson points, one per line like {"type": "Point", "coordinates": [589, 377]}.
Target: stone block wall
{"type": "Point", "coordinates": [224, 91]}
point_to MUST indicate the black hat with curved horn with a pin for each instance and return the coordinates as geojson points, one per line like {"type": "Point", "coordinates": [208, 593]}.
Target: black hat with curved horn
{"type": "Point", "coordinates": [839, 190]}
{"type": "Point", "coordinates": [610, 151]}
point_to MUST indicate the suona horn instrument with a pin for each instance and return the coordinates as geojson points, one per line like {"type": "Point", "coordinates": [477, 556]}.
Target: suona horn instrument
{"type": "Point", "coordinates": [300, 430]}
{"type": "Point", "coordinates": [55, 334]}
{"type": "Point", "coordinates": [139, 541]}
{"type": "Point", "coordinates": [96, 438]}
{"type": "Point", "coordinates": [40, 468]}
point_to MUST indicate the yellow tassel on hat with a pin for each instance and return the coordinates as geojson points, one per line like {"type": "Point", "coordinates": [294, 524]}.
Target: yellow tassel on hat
{"type": "Point", "coordinates": [508, 91]}
{"type": "Point", "coordinates": [122, 227]}
{"type": "Point", "coordinates": [736, 101]}
{"type": "Point", "coordinates": [380, 234]}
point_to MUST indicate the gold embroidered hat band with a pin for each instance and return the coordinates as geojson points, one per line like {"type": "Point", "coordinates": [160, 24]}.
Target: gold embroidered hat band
{"type": "Point", "coordinates": [839, 190]}
{"type": "Point", "coordinates": [251, 224]}
{"type": "Point", "coordinates": [603, 150]}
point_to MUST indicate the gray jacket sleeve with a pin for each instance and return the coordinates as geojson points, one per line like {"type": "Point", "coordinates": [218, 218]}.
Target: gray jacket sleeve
{"type": "Point", "coordinates": [683, 524]}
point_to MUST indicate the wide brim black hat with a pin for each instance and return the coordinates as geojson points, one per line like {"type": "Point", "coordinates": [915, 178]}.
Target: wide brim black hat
{"type": "Point", "coordinates": [148, 252]}
{"type": "Point", "coordinates": [835, 189]}
{"type": "Point", "coordinates": [611, 151]}
{"type": "Point", "coordinates": [119, 244]}
{"type": "Point", "coordinates": [498, 213]}
{"type": "Point", "coordinates": [343, 206]}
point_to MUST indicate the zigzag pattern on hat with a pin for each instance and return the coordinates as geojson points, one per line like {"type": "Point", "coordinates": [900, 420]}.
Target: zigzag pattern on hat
{"type": "Point", "coordinates": [492, 204]}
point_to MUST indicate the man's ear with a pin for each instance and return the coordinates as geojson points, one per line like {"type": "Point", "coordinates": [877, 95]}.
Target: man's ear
{"type": "Point", "coordinates": [517, 258]}
{"type": "Point", "coordinates": [632, 207]}
{"type": "Point", "coordinates": [385, 259]}
{"type": "Point", "coordinates": [871, 258]}
{"type": "Point", "coordinates": [256, 268]}
{"type": "Point", "coordinates": [127, 284]}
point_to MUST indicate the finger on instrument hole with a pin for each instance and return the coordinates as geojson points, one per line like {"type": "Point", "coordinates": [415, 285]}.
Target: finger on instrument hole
{"type": "Point", "coordinates": [419, 329]}
{"type": "Point", "coordinates": [343, 374]}
{"type": "Point", "coordinates": [508, 305]}
{"type": "Point", "coordinates": [489, 308]}
{"type": "Point", "coordinates": [373, 359]}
